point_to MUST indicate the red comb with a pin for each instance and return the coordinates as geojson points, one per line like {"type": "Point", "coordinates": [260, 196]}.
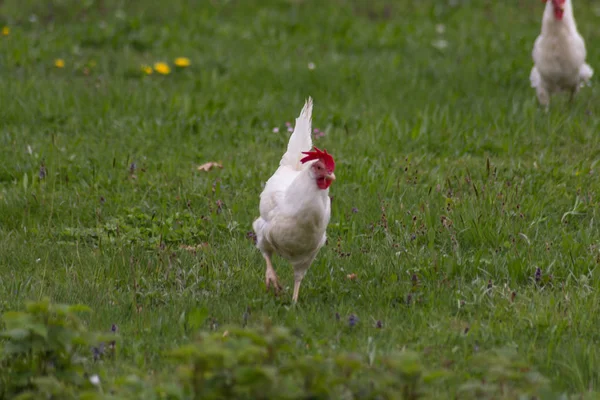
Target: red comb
{"type": "Point", "coordinates": [317, 154]}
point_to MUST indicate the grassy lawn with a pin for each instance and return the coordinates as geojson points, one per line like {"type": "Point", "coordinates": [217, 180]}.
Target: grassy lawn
{"type": "Point", "coordinates": [469, 216]}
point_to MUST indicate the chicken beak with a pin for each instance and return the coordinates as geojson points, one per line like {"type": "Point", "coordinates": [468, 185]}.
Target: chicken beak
{"type": "Point", "coordinates": [330, 177]}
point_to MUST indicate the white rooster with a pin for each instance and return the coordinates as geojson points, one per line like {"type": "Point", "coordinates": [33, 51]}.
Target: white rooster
{"type": "Point", "coordinates": [559, 54]}
{"type": "Point", "coordinates": [295, 205]}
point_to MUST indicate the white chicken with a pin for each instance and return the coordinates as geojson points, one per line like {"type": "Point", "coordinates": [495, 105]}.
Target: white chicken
{"type": "Point", "coordinates": [295, 206]}
{"type": "Point", "coordinates": [558, 54]}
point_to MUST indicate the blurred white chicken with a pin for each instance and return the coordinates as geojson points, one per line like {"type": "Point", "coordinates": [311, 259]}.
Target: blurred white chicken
{"type": "Point", "coordinates": [559, 54]}
{"type": "Point", "coordinates": [295, 205]}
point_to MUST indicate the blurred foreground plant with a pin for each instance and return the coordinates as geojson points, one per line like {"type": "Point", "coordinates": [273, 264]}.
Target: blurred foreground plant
{"type": "Point", "coordinates": [268, 363]}
{"type": "Point", "coordinates": [46, 352]}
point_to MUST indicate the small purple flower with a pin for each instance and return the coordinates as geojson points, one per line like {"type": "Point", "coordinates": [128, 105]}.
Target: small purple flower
{"type": "Point", "coordinates": [290, 129]}
{"type": "Point", "coordinates": [538, 275]}
{"type": "Point", "coordinates": [114, 329]}
{"type": "Point", "coordinates": [132, 168]}
{"type": "Point", "coordinates": [43, 172]}
{"type": "Point", "coordinates": [98, 352]}
{"type": "Point", "coordinates": [379, 324]}
{"type": "Point", "coordinates": [316, 130]}
{"type": "Point", "coordinates": [352, 320]}
{"type": "Point", "coordinates": [288, 124]}
{"type": "Point", "coordinates": [276, 130]}
{"type": "Point", "coordinates": [354, 210]}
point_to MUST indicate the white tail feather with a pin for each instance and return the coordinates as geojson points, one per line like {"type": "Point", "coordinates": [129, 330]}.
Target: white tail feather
{"type": "Point", "coordinates": [535, 78]}
{"type": "Point", "coordinates": [585, 74]}
{"type": "Point", "coordinates": [300, 140]}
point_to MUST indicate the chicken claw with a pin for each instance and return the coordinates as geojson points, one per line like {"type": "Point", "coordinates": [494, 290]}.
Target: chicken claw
{"type": "Point", "coordinates": [271, 278]}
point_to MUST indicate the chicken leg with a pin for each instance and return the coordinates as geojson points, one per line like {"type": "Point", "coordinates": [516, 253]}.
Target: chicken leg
{"type": "Point", "coordinates": [573, 92]}
{"type": "Point", "coordinates": [298, 276]}
{"type": "Point", "coordinates": [271, 276]}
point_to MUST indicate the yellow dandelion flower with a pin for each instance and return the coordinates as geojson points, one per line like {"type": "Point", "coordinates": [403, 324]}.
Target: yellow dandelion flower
{"type": "Point", "coordinates": [5, 30]}
{"type": "Point", "coordinates": [182, 62]}
{"type": "Point", "coordinates": [162, 68]}
{"type": "Point", "coordinates": [146, 69]}
{"type": "Point", "coordinates": [59, 63]}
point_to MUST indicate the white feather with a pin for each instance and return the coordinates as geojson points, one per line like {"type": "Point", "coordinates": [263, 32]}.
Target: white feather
{"type": "Point", "coordinates": [301, 138]}
{"type": "Point", "coordinates": [585, 73]}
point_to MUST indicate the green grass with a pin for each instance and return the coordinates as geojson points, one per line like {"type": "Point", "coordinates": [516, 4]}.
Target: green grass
{"type": "Point", "coordinates": [449, 174]}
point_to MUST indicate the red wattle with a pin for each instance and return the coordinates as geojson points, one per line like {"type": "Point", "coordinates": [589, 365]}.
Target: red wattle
{"type": "Point", "coordinates": [558, 14]}
{"type": "Point", "coordinates": [323, 183]}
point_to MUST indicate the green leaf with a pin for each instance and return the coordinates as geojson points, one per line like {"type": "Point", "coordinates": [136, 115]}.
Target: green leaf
{"type": "Point", "coordinates": [436, 375]}
{"type": "Point", "coordinates": [27, 396]}
{"type": "Point", "coordinates": [197, 317]}
{"type": "Point", "coordinates": [11, 348]}
{"type": "Point", "coordinates": [48, 384]}
{"type": "Point", "coordinates": [38, 307]}
{"type": "Point", "coordinates": [16, 334]}
{"type": "Point", "coordinates": [185, 352]}
{"type": "Point", "coordinates": [40, 330]}
{"type": "Point", "coordinates": [255, 375]}
{"type": "Point", "coordinates": [14, 319]}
